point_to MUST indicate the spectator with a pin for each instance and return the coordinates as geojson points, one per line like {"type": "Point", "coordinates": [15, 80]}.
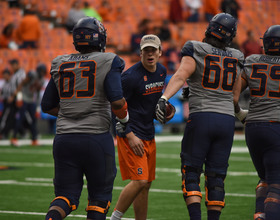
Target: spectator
{"type": "Point", "coordinates": [7, 38]}
{"type": "Point", "coordinates": [193, 7]}
{"type": "Point", "coordinates": [210, 9]}
{"type": "Point", "coordinates": [16, 96]}
{"type": "Point", "coordinates": [30, 87]}
{"type": "Point", "coordinates": [106, 11]}
{"type": "Point", "coordinates": [163, 31]}
{"type": "Point", "coordinates": [175, 11]}
{"type": "Point", "coordinates": [29, 30]}
{"type": "Point", "coordinates": [91, 12]}
{"type": "Point", "coordinates": [7, 119]}
{"type": "Point", "coordinates": [143, 28]}
{"type": "Point", "coordinates": [251, 45]}
{"type": "Point", "coordinates": [172, 56]}
{"type": "Point", "coordinates": [231, 7]}
{"type": "Point", "coordinates": [74, 15]}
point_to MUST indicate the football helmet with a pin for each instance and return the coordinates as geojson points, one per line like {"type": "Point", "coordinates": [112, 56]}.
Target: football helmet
{"type": "Point", "coordinates": [223, 27]}
{"type": "Point", "coordinates": [271, 40]}
{"type": "Point", "coordinates": [89, 31]}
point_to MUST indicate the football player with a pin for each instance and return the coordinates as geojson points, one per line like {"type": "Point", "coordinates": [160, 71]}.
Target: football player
{"type": "Point", "coordinates": [262, 128]}
{"type": "Point", "coordinates": [83, 88]}
{"type": "Point", "coordinates": [211, 69]}
{"type": "Point", "coordinates": [142, 87]}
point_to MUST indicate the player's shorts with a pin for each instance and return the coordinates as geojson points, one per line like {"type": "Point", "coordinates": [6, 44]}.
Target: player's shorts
{"type": "Point", "coordinates": [208, 140]}
{"type": "Point", "coordinates": [134, 167]}
{"type": "Point", "coordinates": [92, 155]}
{"type": "Point", "coordinates": [263, 141]}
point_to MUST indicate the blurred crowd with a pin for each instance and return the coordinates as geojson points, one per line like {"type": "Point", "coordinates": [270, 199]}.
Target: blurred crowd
{"type": "Point", "coordinates": [19, 84]}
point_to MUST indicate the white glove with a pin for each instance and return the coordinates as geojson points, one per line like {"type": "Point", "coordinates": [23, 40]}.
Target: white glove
{"type": "Point", "coordinates": [241, 115]}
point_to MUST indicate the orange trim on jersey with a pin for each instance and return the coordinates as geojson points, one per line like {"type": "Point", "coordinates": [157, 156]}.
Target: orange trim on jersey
{"type": "Point", "coordinates": [121, 113]}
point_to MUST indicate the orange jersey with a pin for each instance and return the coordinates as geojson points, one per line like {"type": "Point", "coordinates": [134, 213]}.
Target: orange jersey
{"type": "Point", "coordinates": [135, 167]}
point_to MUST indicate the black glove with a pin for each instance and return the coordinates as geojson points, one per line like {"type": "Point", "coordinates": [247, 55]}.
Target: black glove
{"type": "Point", "coordinates": [185, 92]}
{"type": "Point", "coordinates": [161, 110]}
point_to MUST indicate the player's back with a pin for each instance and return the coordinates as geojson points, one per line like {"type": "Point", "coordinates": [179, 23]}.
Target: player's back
{"type": "Point", "coordinates": [79, 79]}
{"type": "Point", "coordinates": [212, 82]}
{"type": "Point", "coordinates": [262, 75]}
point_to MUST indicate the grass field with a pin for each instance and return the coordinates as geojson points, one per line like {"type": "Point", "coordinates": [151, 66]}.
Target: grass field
{"type": "Point", "coordinates": [26, 187]}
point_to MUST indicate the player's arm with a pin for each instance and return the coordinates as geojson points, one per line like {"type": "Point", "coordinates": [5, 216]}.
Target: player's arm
{"type": "Point", "coordinates": [239, 86]}
{"type": "Point", "coordinates": [185, 70]}
{"type": "Point", "coordinates": [113, 90]}
{"type": "Point", "coordinates": [50, 100]}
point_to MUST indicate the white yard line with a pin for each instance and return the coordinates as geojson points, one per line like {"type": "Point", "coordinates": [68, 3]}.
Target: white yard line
{"type": "Point", "coordinates": [159, 139]}
{"type": "Point", "coordinates": [18, 183]}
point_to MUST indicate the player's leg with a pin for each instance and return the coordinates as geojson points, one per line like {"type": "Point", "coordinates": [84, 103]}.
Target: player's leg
{"type": "Point", "coordinates": [272, 168]}
{"type": "Point", "coordinates": [100, 171]}
{"type": "Point", "coordinates": [261, 193]}
{"type": "Point", "coordinates": [263, 142]}
{"type": "Point", "coordinates": [68, 181]}
{"type": "Point", "coordinates": [195, 144]}
{"type": "Point", "coordinates": [216, 164]}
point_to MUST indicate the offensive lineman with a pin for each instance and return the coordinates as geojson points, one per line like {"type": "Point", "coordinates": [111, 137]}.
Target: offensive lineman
{"type": "Point", "coordinates": [211, 69]}
{"type": "Point", "coordinates": [262, 129]}
{"type": "Point", "coordinates": [80, 91]}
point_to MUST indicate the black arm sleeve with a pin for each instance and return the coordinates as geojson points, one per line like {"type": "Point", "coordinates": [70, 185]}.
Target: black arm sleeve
{"type": "Point", "coordinates": [50, 98]}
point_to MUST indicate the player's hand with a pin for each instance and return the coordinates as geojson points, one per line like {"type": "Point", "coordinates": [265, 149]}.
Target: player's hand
{"type": "Point", "coordinates": [161, 110]}
{"type": "Point", "coordinates": [241, 115]}
{"type": "Point", "coordinates": [136, 144]}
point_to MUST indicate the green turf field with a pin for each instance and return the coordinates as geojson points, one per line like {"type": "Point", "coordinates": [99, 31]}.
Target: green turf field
{"type": "Point", "coordinates": [26, 187]}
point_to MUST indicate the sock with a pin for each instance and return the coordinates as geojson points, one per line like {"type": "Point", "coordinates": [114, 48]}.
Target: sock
{"type": "Point", "coordinates": [53, 215]}
{"type": "Point", "coordinates": [116, 215]}
{"type": "Point", "coordinates": [194, 211]}
{"type": "Point", "coordinates": [260, 204]}
{"type": "Point", "coordinates": [213, 215]}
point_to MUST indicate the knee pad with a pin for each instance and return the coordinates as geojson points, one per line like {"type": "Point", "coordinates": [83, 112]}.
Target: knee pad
{"type": "Point", "coordinates": [98, 206]}
{"type": "Point", "coordinates": [63, 203]}
{"type": "Point", "coordinates": [191, 181]}
{"type": "Point", "coordinates": [214, 189]}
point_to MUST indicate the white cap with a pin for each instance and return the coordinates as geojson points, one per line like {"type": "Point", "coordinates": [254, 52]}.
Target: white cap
{"type": "Point", "coordinates": [150, 40]}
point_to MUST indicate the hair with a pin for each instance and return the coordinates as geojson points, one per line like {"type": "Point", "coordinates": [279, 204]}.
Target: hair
{"type": "Point", "coordinates": [215, 42]}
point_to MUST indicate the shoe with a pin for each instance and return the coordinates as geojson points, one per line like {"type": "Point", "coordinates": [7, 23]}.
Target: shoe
{"type": "Point", "coordinates": [14, 142]}
{"type": "Point", "coordinates": [259, 216]}
{"type": "Point", "coordinates": [35, 143]}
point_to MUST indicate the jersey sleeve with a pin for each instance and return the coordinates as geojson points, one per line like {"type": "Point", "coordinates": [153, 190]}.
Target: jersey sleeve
{"type": "Point", "coordinates": [50, 98]}
{"type": "Point", "coordinates": [187, 49]}
{"type": "Point", "coordinates": [112, 83]}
